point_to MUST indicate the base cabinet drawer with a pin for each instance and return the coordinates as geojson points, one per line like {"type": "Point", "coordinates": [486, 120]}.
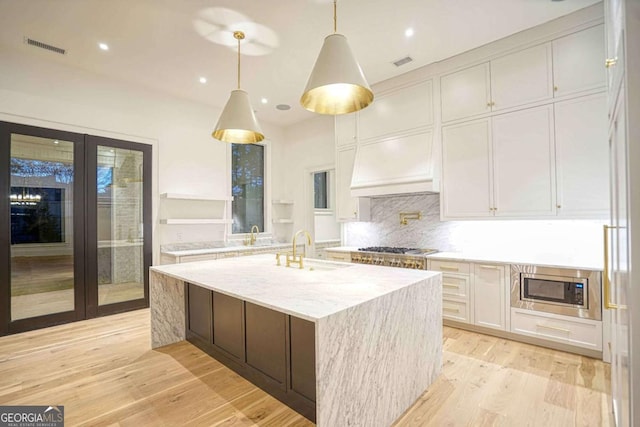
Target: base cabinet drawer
{"type": "Point", "coordinates": [449, 266]}
{"type": "Point", "coordinates": [455, 285]}
{"type": "Point", "coordinates": [455, 310]}
{"type": "Point", "coordinates": [579, 332]}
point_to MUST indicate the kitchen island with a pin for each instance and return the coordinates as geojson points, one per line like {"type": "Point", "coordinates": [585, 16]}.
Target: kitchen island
{"type": "Point", "coordinates": [343, 344]}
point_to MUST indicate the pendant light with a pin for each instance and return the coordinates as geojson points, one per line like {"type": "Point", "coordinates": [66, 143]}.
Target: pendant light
{"type": "Point", "coordinates": [237, 123]}
{"type": "Point", "coordinates": [336, 84]}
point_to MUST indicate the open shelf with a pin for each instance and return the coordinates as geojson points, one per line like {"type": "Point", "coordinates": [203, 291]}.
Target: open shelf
{"type": "Point", "coordinates": [185, 221]}
{"type": "Point", "coordinates": [181, 196]}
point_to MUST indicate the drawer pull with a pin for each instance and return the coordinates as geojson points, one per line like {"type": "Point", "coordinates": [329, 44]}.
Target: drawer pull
{"type": "Point", "coordinates": [489, 267]}
{"type": "Point", "coordinates": [553, 328]}
{"type": "Point", "coordinates": [449, 285]}
{"type": "Point", "coordinates": [444, 267]}
{"type": "Point", "coordinates": [451, 310]}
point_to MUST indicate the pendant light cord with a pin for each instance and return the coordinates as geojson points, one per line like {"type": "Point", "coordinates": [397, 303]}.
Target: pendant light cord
{"type": "Point", "coordinates": [238, 63]}
{"type": "Point", "coordinates": [335, 16]}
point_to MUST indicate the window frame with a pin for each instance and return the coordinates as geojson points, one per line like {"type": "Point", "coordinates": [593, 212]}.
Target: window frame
{"type": "Point", "coordinates": [230, 235]}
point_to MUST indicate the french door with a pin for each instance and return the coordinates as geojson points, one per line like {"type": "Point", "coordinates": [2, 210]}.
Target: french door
{"type": "Point", "coordinates": [75, 226]}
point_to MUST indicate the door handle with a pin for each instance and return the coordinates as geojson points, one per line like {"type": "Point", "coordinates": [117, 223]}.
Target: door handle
{"type": "Point", "coordinates": [606, 284]}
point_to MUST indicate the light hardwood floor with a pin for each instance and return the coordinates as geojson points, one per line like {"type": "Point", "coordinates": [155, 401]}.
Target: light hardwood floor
{"type": "Point", "coordinates": [105, 374]}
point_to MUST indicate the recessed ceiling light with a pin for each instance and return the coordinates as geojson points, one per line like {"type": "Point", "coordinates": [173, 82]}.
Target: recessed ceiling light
{"type": "Point", "coordinates": [203, 80]}
{"type": "Point", "coordinates": [408, 32]}
{"type": "Point", "coordinates": [103, 46]}
{"type": "Point", "coordinates": [283, 107]}
{"type": "Point", "coordinates": [264, 100]}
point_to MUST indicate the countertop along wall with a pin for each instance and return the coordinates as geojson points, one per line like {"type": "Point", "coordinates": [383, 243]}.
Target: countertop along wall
{"type": "Point", "coordinates": [186, 159]}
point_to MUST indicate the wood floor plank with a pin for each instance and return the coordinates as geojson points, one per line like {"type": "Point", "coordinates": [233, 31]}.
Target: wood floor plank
{"type": "Point", "coordinates": [105, 374]}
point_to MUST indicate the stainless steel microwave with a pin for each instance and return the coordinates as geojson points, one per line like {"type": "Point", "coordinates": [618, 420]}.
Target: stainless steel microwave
{"type": "Point", "coordinates": [564, 291]}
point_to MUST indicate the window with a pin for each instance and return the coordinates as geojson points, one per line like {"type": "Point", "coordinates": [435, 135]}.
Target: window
{"type": "Point", "coordinates": [247, 187]}
{"type": "Point", "coordinates": [320, 190]}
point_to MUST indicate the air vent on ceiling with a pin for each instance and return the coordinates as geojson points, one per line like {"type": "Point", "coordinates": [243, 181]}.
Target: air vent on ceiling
{"type": "Point", "coordinates": [45, 46]}
{"type": "Point", "coordinates": [402, 61]}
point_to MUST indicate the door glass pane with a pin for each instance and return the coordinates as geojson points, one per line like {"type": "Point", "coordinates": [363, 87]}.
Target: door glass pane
{"type": "Point", "coordinates": [120, 220]}
{"type": "Point", "coordinates": [41, 196]}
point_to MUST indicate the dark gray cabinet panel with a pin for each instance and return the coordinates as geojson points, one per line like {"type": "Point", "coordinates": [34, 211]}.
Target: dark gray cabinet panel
{"type": "Point", "coordinates": [266, 341]}
{"type": "Point", "coordinates": [303, 357]}
{"type": "Point", "coordinates": [199, 313]}
{"type": "Point", "coordinates": [227, 324]}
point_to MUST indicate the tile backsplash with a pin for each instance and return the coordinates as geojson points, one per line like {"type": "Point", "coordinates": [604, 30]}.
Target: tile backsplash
{"type": "Point", "coordinates": [532, 236]}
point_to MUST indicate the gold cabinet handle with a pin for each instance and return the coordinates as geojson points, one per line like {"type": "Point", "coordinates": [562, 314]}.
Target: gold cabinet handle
{"type": "Point", "coordinates": [553, 328]}
{"type": "Point", "coordinates": [489, 267]}
{"type": "Point", "coordinates": [448, 285]}
{"type": "Point", "coordinates": [605, 274]}
{"type": "Point", "coordinates": [444, 267]}
{"type": "Point", "coordinates": [559, 206]}
{"type": "Point", "coordinates": [451, 310]}
{"type": "Point", "coordinates": [489, 104]}
{"type": "Point", "coordinates": [610, 62]}
{"type": "Point", "coordinates": [555, 88]}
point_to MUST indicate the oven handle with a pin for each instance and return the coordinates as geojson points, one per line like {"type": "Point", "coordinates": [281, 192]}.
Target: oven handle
{"type": "Point", "coordinates": [605, 275]}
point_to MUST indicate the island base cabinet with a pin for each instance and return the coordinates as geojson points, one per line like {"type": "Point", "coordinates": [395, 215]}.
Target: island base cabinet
{"type": "Point", "coordinates": [228, 325]}
{"type": "Point", "coordinates": [199, 312]}
{"type": "Point", "coordinates": [273, 350]}
{"type": "Point", "coordinates": [266, 341]}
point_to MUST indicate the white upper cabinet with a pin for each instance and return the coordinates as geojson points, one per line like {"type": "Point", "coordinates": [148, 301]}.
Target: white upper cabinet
{"type": "Point", "coordinates": [523, 163]}
{"type": "Point", "coordinates": [466, 169]}
{"type": "Point", "coordinates": [512, 80]}
{"type": "Point", "coordinates": [578, 61]}
{"type": "Point", "coordinates": [400, 110]}
{"type": "Point", "coordinates": [582, 167]}
{"type": "Point", "coordinates": [346, 129]}
{"type": "Point", "coordinates": [465, 93]}
{"type": "Point", "coordinates": [521, 77]}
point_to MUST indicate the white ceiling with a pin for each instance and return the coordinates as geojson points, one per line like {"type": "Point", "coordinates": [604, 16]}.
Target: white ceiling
{"type": "Point", "coordinates": [168, 44]}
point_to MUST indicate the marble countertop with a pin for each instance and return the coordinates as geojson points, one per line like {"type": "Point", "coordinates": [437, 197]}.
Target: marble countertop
{"type": "Point", "coordinates": [550, 259]}
{"type": "Point", "coordinates": [576, 260]}
{"type": "Point", "coordinates": [204, 251]}
{"type": "Point", "coordinates": [309, 294]}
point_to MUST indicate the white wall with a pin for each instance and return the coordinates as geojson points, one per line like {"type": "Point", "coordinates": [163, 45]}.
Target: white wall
{"type": "Point", "coordinates": [309, 146]}
{"type": "Point", "coordinates": [37, 91]}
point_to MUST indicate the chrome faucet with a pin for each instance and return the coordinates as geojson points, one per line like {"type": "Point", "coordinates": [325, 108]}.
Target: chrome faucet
{"type": "Point", "coordinates": [253, 236]}
{"type": "Point", "coordinates": [293, 258]}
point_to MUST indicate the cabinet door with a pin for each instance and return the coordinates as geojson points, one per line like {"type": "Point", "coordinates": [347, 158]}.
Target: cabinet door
{"type": "Point", "coordinates": [266, 341]}
{"type": "Point", "coordinates": [403, 109]}
{"type": "Point", "coordinates": [466, 170]}
{"type": "Point", "coordinates": [578, 61]}
{"type": "Point", "coordinates": [199, 315]}
{"type": "Point", "coordinates": [489, 296]}
{"type": "Point", "coordinates": [346, 205]}
{"type": "Point", "coordinates": [346, 131]}
{"type": "Point", "coordinates": [465, 93]}
{"type": "Point", "coordinates": [521, 77]}
{"type": "Point", "coordinates": [227, 324]}
{"type": "Point", "coordinates": [582, 169]}
{"type": "Point", "coordinates": [523, 163]}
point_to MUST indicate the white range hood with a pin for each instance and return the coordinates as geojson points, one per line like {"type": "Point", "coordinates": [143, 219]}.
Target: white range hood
{"type": "Point", "coordinates": [396, 165]}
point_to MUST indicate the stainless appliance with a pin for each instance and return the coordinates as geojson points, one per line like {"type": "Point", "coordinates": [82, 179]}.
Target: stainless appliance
{"type": "Point", "coordinates": [557, 290]}
{"type": "Point", "coordinates": [392, 256]}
